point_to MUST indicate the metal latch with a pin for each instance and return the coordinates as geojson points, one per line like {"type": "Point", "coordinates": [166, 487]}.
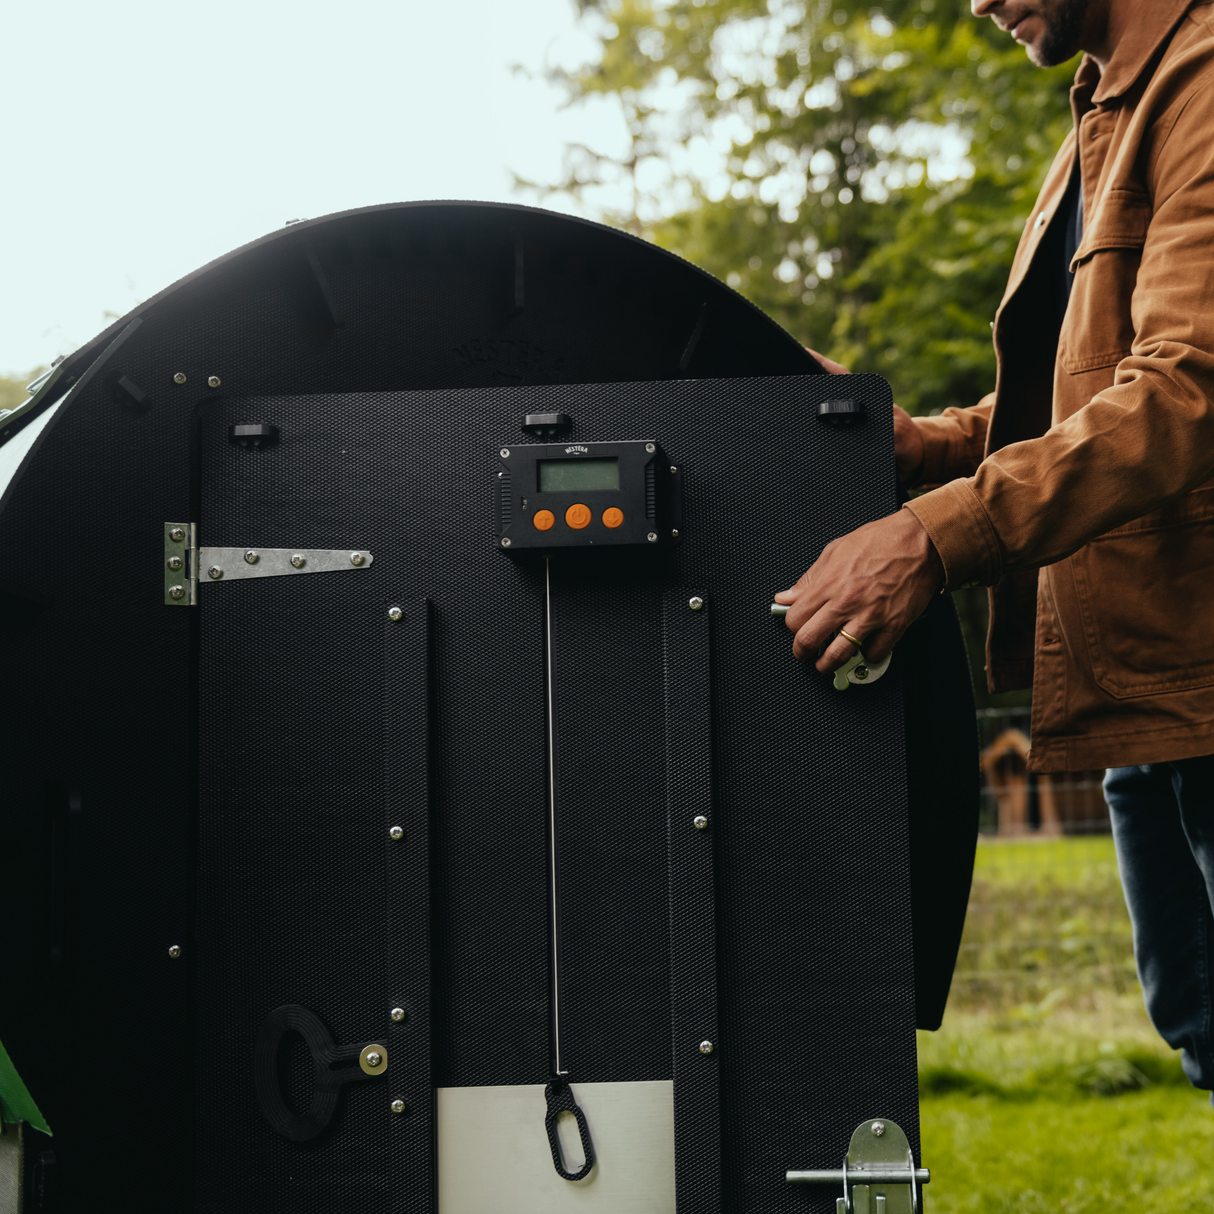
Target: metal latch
{"type": "Point", "coordinates": [857, 670]}
{"type": "Point", "coordinates": [185, 563]}
{"type": "Point", "coordinates": [878, 1174]}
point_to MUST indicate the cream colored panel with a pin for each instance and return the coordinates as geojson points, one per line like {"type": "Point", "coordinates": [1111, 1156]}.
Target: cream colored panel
{"type": "Point", "coordinates": [493, 1154]}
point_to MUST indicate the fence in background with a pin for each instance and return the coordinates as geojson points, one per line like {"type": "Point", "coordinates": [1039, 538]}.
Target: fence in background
{"type": "Point", "coordinates": [1047, 925]}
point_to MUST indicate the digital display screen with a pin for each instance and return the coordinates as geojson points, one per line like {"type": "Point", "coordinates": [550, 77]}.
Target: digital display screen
{"type": "Point", "coordinates": [578, 475]}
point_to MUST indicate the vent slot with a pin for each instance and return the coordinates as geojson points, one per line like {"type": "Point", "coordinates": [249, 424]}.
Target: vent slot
{"type": "Point", "coordinates": [651, 490]}
{"type": "Point", "coordinates": [505, 507]}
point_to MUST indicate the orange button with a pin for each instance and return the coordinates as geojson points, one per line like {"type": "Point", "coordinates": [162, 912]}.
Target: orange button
{"type": "Point", "coordinates": [578, 516]}
{"type": "Point", "coordinates": [543, 520]}
{"type": "Point", "coordinates": [613, 516]}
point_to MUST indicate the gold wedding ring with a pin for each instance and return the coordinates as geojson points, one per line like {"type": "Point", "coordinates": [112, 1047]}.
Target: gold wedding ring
{"type": "Point", "coordinates": [847, 636]}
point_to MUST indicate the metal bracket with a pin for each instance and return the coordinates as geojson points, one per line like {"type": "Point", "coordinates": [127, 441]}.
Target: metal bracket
{"type": "Point", "coordinates": [878, 1174]}
{"type": "Point", "coordinates": [185, 563]}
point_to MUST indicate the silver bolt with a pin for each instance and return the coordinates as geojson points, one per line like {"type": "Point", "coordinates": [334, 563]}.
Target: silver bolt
{"type": "Point", "coordinates": [674, 533]}
{"type": "Point", "coordinates": [706, 1047]}
{"type": "Point", "coordinates": [397, 1014]}
{"type": "Point", "coordinates": [695, 602]}
{"type": "Point", "coordinates": [394, 614]}
{"type": "Point", "coordinates": [213, 381]}
{"type": "Point", "coordinates": [505, 453]}
{"type": "Point", "coordinates": [175, 562]}
{"type": "Point", "coordinates": [176, 592]}
{"type": "Point", "coordinates": [652, 537]}
{"type": "Point", "coordinates": [699, 822]}
{"type": "Point", "coordinates": [650, 448]}
{"type": "Point", "coordinates": [215, 573]}
{"type": "Point", "coordinates": [396, 832]}
{"type": "Point", "coordinates": [177, 533]}
{"type": "Point", "coordinates": [298, 561]}
{"type": "Point", "coordinates": [374, 1058]}
{"type": "Point", "coordinates": [250, 557]}
{"type": "Point", "coordinates": [861, 673]}
{"type": "Point", "coordinates": [673, 470]}
{"type": "Point", "coordinates": [398, 1106]}
{"type": "Point", "coordinates": [505, 541]}
{"type": "Point", "coordinates": [878, 1128]}
{"type": "Point", "coordinates": [179, 378]}
{"type": "Point", "coordinates": [174, 951]}
{"type": "Point", "coordinates": [356, 558]}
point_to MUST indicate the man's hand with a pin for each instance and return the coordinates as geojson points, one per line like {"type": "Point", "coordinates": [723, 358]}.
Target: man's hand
{"type": "Point", "coordinates": [873, 583]}
{"type": "Point", "coordinates": [908, 444]}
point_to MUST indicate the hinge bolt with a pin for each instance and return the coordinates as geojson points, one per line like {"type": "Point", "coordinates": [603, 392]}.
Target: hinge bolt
{"type": "Point", "coordinates": [215, 573]}
{"type": "Point", "coordinates": [250, 557]}
{"type": "Point", "coordinates": [179, 378]}
{"type": "Point", "coordinates": [397, 1014]}
{"type": "Point", "coordinates": [695, 603]}
{"type": "Point", "coordinates": [652, 537]}
{"type": "Point", "coordinates": [699, 822]}
{"type": "Point", "coordinates": [374, 1058]}
{"type": "Point", "coordinates": [176, 592]}
{"type": "Point", "coordinates": [506, 541]}
{"type": "Point", "coordinates": [706, 1047]}
{"type": "Point", "coordinates": [505, 453]}
{"type": "Point", "coordinates": [396, 832]}
{"type": "Point", "coordinates": [394, 614]}
{"type": "Point", "coordinates": [673, 470]}
{"type": "Point", "coordinates": [398, 1106]}
{"type": "Point", "coordinates": [878, 1128]}
{"type": "Point", "coordinates": [860, 673]}
{"type": "Point", "coordinates": [175, 562]}
{"type": "Point", "coordinates": [177, 533]}
{"type": "Point", "coordinates": [174, 951]}
{"type": "Point", "coordinates": [298, 561]}
{"type": "Point", "coordinates": [213, 381]}
{"type": "Point", "coordinates": [650, 448]}
{"type": "Point", "coordinates": [356, 558]}
{"type": "Point", "coordinates": [674, 533]}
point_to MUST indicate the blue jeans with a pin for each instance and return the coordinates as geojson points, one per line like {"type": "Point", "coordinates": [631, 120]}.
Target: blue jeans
{"type": "Point", "coordinates": [1163, 826]}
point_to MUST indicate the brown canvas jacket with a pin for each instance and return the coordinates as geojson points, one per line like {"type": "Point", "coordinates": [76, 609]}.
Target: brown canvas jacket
{"type": "Point", "coordinates": [1090, 460]}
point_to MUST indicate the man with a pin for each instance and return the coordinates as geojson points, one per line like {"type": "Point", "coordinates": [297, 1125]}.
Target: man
{"type": "Point", "coordinates": [1080, 490]}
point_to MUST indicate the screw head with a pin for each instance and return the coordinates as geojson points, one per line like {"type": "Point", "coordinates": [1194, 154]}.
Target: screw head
{"type": "Point", "coordinates": [673, 470]}
{"type": "Point", "coordinates": [374, 1058]}
{"type": "Point", "coordinates": [177, 534]}
{"type": "Point", "coordinates": [878, 1128]}
{"type": "Point", "coordinates": [650, 448]}
{"type": "Point", "coordinates": [298, 561]}
{"type": "Point", "coordinates": [250, 557]}
{"type": "Point", "coordinates": [695, 602]}
{"type": "Point", "coordinates": [214, 573]}
{"type": "Point", "coordinates": [176, 592]}
{"type": "Point", "coordinates": [652, 537]}
{"type": "Point", "coordinates": [179, 378]}
{"type": "Point", "coordinates": [700, 822]}
{"type": "Point", "coordinates": [356, 558]}
{"type": "Point", "coordinates": [175, 562]}
{"type": "Point", "coordinates": [861, 673]}
{"type": "Point", "coordinates": [213, 381]}
{"type": "Point", "coordinates": [706, 1047]}
{"type": "Point", "coordinates": [174, 951]}
{"type": "Point", "coordinates": [505, 541]}
{"type": "Point", "coordinates": [674, 533]}
{"type": "Point", "coordinates": [397, 1014]}
{"type": "Point", "coordinates": [398, 1106]}
{"type": "Point", "coordinates": [505, 453]}
{"type": "Point", "coordinates": [394, 614]}
{"type": "Point", "coordinates": [396, 832]}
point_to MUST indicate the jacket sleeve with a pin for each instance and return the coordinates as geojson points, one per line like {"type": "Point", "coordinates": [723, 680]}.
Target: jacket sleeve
{"type": "Point", "coordinates": [953, 442]}
{"type": "Point", "coordinates": [1146, 439]}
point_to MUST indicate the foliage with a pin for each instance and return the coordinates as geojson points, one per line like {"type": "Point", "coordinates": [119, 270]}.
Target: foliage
{"type": "Point", "coordinates": [862, 174]}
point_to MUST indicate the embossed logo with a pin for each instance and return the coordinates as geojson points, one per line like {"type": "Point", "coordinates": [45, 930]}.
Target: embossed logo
{"type": "Point", "coordinates": [577, 449]}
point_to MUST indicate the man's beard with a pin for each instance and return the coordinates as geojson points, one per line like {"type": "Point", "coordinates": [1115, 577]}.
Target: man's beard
{"type": "Point", "coordinates": [1063, 27]}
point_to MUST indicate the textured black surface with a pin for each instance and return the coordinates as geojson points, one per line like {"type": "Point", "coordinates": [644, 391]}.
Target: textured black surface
{"type": "Point", "coordinates": [97, 831]}
{"type": "Point", "coordinates": [691, 893]}
{"type": "Point", "coordinates": [816, 983]}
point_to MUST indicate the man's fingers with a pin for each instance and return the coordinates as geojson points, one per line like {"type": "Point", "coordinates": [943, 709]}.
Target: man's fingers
{"type": "Point", "coordinates": [839, 651]}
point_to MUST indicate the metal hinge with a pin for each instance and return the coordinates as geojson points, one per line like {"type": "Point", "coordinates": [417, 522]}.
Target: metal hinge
{"type": "Point", "coordinates": [878, 1174]}
{"type": "Point", "coordinates": [185, 563]}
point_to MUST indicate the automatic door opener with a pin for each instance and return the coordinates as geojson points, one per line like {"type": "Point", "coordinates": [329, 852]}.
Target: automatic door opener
{"type": "Point", "coordinates": [857, 669]}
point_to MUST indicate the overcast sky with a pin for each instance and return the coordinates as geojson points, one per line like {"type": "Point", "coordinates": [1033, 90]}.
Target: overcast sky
{"type": "Point", "coordinates": [143, 137]}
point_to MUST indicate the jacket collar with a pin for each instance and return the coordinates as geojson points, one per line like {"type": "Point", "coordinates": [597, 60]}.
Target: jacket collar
{"type": "Point", "coordinates": [1152, 23]}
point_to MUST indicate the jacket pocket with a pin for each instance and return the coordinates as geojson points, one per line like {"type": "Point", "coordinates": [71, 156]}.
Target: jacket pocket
{"type": "Point", "coordinates": [1098, 330]}
{"type": "Point", "coordinates": [1145, 594]}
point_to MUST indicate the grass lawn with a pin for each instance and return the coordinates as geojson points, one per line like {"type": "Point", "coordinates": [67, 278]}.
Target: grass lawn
{"type": "Point", "coordinates": [1047, 1088]}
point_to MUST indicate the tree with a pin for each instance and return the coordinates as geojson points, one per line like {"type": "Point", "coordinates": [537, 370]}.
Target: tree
{"type": "Point", "coordinates": [862, 174]}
